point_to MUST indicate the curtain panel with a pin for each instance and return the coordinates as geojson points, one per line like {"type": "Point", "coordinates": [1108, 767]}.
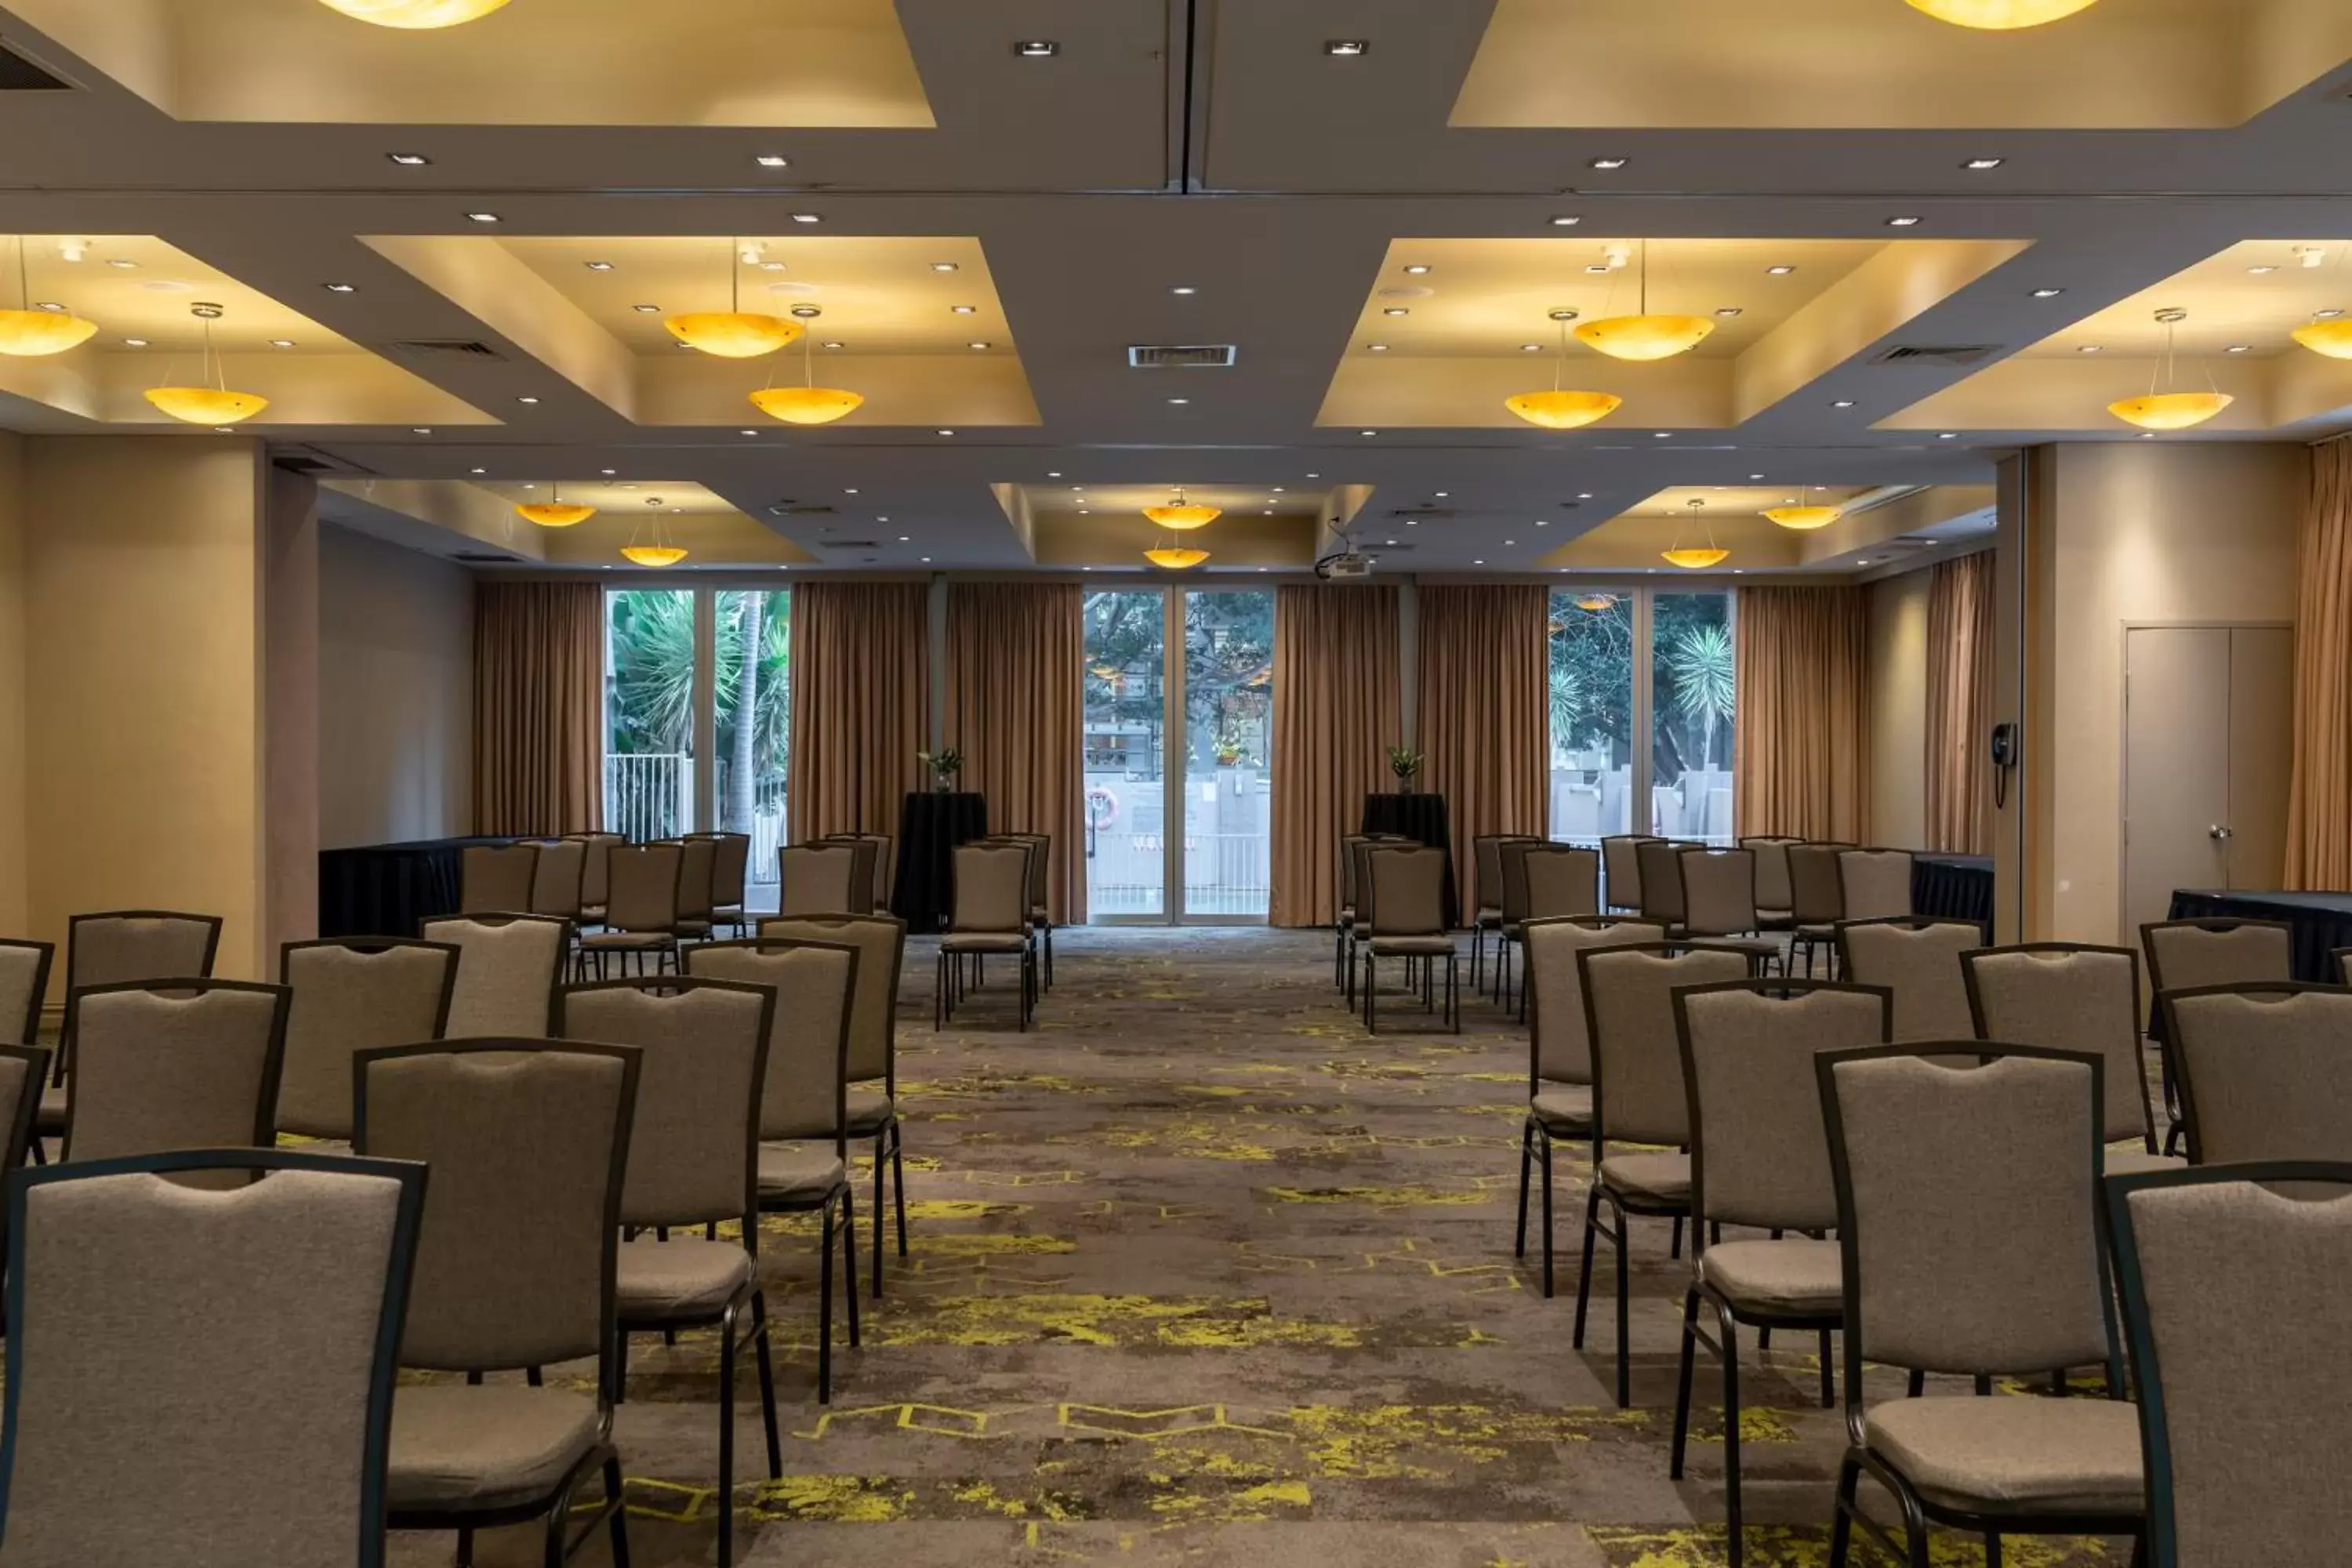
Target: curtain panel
{"type": "Point", "coordinates": [1485, 714]}
{"type": "Point", "coordinates": [1016, 656]}
{"type": "Point", "coordinates": [2319, 796]}
{"type": "Point", "coordinates": [538, 708]}
{"type": "Point", "coordinates": [1801, 697]}
{"type": "Point", "coordinates": [1959, 705]}
{"type": "Point", "coordinates": [861, 701]}
{"type": "Point", "coordinates": [1337, 707]}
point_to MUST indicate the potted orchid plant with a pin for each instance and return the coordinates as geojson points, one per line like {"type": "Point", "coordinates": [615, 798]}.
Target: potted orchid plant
{"type": "Point", "coordinates": [1405, 762]}
{"type": "Point", "coordinates": [944, 767]}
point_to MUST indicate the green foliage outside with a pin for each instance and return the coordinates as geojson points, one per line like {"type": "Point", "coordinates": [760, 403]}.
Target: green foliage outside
{"type": "Point", "coordinates": [1228, 676]}
{"type": "Point", "coordinates": [649, 689]}
{"type": "Point", "coordinates": [1692, 679]}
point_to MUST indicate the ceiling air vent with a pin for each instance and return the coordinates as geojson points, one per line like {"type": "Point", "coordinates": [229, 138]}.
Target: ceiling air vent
{"type": "Point", "coordinates": [18, 74]}
{"type": "Point", "coordinates": [800, 509]}
{"type": "Point", "coordinates": [483, 558]}
{"type": "Point", "coordinates": [1938, 353]}
{"type": "Point", "coordinates": [853, 544]}
{"type": "Point", "coordinates": [311, 460]}
{"type": "Point", "coordinates": [1423, 512]}
{"type": "Point", "coordinates": [443, 348]}
{"type": "Point", "coordinates": [1181, 356]}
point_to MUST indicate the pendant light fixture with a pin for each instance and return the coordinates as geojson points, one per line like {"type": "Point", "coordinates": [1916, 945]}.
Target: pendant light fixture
{"type": "Point", "coordinates": [734, 332]}
{"type": "Point", "coordinates": [1803, 519]}
{"type": "Point", "coordinates": [2329, 334]}
{"type": "Point", "coordinates": [2167, 410]}
{"type": "Point", "coordinates": [807, 404]}
{"type": "Point", "coordinates": [28, 333]}
{"type": "Point", "coordinates": [554, 512]}
{"type": "Point", "coordinates": [215, 405]}
{"type": "Point", "coordinates": [656, 552]}
{"type": "Point", "coordinates": [1563, 408]}
{"type": "Point", "coordinates": [1693, 557]}
{"type": "Point", "coordinates": [2000, 16]}
{"type": "Point", "coordinates": [1596, 602]}
{"type": "Point", "coordinates": [1175, 557]}
{"type": "Point", "coordinates": [414, 15]}
{"type": "Point", "coordinates": [1643, 336]}
{"type": "Point", "coordinates": [1183, 515]}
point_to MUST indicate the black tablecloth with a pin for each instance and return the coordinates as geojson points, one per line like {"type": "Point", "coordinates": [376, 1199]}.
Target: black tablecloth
{"type": "Point", "coordinates": [1953, 888]}
{"type": "Point", "coordinates": [2322, 921]}
{"type": "Point", "coordinates": [931, 825]}
{"type": "Point", "coordinates": [384, 889]}
{"type": "Point", "coordinates": [1421, 817]}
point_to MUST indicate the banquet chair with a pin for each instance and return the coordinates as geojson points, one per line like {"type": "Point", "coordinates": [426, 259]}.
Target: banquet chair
{"type": "Point", "coordinates": [1873, 884]}
{"type": "Point", "coordinates": [1511, 857]}
{"type": "Point", "coordinates": [174, 1064]}
{"type": "Point", "coordinates": [115, 946]}
{"type": "Point", "coordinates": [879, 871]}
{"type": "Point", "coordinates": [697, 866]}
{"type": "Point", "coordinates": [1620, 865]}
{"type": "Point", "coordinates": [644, 899]}
{"type": "Point", "coordinates": [24, 987]}
{"type": "Point", "coordinates": [1968, 1224]}
{"type": "Point", "coordinates": [1759, 1158]}
{"type": "Point", "coordinates": [558, 880]}
{"type": "Point", "coordinates": [1638, 1097]}
{"type": "Point", "coordinates": [2341, 962]}
{"type": "Point", "coordinates": [1561, 881]}
{"type": "Point", "coordinates": [817, 879]}
{"type": "Point", "coordinates": [1775, 902]}
{"type": "Point", "coordinates": [693, 1161]}
{"type": "Point", "coordinates": [527, 1141]}
{"type": "Point", "coordinates": [1662, 880]}
{"type": "Point", "coordinates": [594, 863]}
{"type": "Point", "coordinates": [1919, 959]}
{"type": "Point", "coordinates": [2070, 996]}
{"type": "Point", "coordinates": [1816, 899]}
{"type": "Point", "coordinates": [1487, 899]}
{"type": "Point", "coordinates": [21, 1070]}
{"type": "Point", "coordinates": [250, 1425]}
{"type": "Point", "coordinates": [873, 1094]}
{"type": "Point", "coordinates": [508, 969]}
{"type": "Point", "coordinates": [1560, 1053]}
{"type": "Point", "coordinates": [1041, 916]}
{"type": "Point", "coordinates": [1353, 894]}
{"type": "Point", "coordinates": [1719, 900]}
{"type": "Point", "coordinates": [990, 914]}
{"type": "Point", "coordinates": [2217, 1270]}
{"type": "Point", "coordinates": [2190, 955]}
{"type": "Point", "coordinates": [1406, 918]}
{"type": "Point", "coordinates": [2265, 1070]}
{"type": "Point", "coordinates": [497, 878]}
{"type": "Point", "coordinates": [345, 995]}
{"type": "Point", "coordinates": [803, 1162]}
{"type": "Point", "coordinates": [730, 862]}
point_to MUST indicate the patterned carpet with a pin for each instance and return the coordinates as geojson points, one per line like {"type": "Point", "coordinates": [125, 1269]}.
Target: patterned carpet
{"type": "Point", "coordinates": [1204, 1274]}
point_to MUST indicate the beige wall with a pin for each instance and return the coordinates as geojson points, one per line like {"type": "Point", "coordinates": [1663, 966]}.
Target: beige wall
{"type": "Point", "coordinates": [1898, 710]}
{"type": "Point", "coordinates": [396, 692]}
{"type": "Point", "coordinates": [2135, 533]}
{"type": "Point", "coordinates": [14, 913]}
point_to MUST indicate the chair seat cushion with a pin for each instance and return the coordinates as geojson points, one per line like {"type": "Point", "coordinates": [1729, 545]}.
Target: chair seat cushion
{"type": "Point", "coordinates": [792, 1174]}
{"type": "Point", "coordinates": [1411, 946]}
{"type": "Point", "coordinates": [1490, 914]}
{"type": "Point", "coordinates": [2124, 1160]}
{"type": "Point", "coordinates": [458, 1449]}
{"type": "Point", "coordinates": [1663, 1178]}
{"type": "Point", "coordinates": [1563, 1108]}
{"type": "Point", "coordinates": [870, 1111]}
{"type": "Point", "coordinates": [2019, 1455]}
{"type": "Point", "coordinates": [1822, 932]}
{"type": "Point", "coordinates": [984, 941]}
{"type": "Point", "coordinates": [1772, 917]}
{"type": "Point", "coordinates": [1792, 1277]}
{"type": "Point", "coordinates": [687, 1276]}
{"type": "Point", "coordinates": [627, 938]}
{"type": "Point", "coordinates": [49, 1120]}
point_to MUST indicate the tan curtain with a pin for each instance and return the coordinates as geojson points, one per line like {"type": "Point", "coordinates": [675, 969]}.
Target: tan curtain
{"type": "Point", "coordinates": [1485, 714]}
{"type": "Point", "coordinates": [1802, 704]}
{"type": "Point", "coordinates": [538, 708]}
{"type": "Point", "coordinates": [1016, 655]}
{"type": "Point", "coordinates": [1959, 705]}
{"type": "Point", "coordinates": [1338, 708]}
{"type": "Point", "coordinates": [2319, 800]}
{"type": "Point", "coordinates": [861, 704]}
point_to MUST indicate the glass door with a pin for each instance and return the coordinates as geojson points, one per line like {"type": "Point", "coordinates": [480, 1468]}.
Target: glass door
{"type": "Point", "coordinates": [1692, 684]}
{"type": "Point", "coordinates": [752, 696]}
{"type": "Point", "coordinates": [1228, 701]}
{"type": "Point", "coordinates": [1124, 723]}
{"type": "Point", "coordinates": [651, 677]}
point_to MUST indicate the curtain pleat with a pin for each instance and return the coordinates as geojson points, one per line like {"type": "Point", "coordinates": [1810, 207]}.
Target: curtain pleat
{"type": "Point", "coordinates": [1959, 705]}
{"type": "Point", "coordinates": [1483, 714]}
{"type": "Point", "coordinates": [1337, 707]}
{"type": "Point", "coordinates": [2319, 799]}
{"type": "Point", "coordinates": [861, 695]}
{"type": "Point", "coordinates": [1802, 705]}
{"type": "Point", "coordinates": [1016, 658]}
{"type": "Point", "coordinates": [538, 708]}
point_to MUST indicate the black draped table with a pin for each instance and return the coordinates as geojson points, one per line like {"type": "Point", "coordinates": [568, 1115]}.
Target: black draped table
{"type": "Point", "coordinates": [1953, 888]}
{"type": "Point", "coordinates": [1421, 817]}
{"type": "Point", "coordinates": [2322, 921]}
{"type": "Point", "coordinates": [384, 889]}
{"type": "Point", "coordinates": [931, 824]}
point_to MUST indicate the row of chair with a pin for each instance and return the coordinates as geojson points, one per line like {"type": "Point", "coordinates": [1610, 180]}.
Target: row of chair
{"type": "Point", "coordinates": [998, 905]}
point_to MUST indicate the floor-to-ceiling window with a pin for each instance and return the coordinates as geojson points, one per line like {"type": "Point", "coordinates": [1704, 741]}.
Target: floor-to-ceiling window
{"type": "Point", "coordinates": [1691, 687]}
{"type": "Point", "coordinates": [751, 695]}
{"type": "Point", "coordinates": [1229, 744]}
{"type": "Point", "coordinates": [1124, 723]}
{"type": "Point", "coordinates": [649, 701]}
{"type": "Point", "coordinates": [1591, 715]}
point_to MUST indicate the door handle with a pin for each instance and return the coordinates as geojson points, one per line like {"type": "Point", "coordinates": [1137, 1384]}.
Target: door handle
{"type": "Point", "coordinates": [2222, 832]}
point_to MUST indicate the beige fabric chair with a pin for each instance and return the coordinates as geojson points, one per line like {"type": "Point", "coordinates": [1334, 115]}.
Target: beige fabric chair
{"type": "Point", "coordinates": [508, 969]}
{"type": "Point", "coordinates": [2069, 996]}
{"type": "Point", "coordinates": [2265, 1070]}
{"type": "Point", "coordinates": [1967, 1220]}
{"type": "Point", "coordinates": [595, 864]}
{"type": "Point", "coordinates": [497, 878]}
{"type": "Point", "coordinates": [1041, 914]}
{"type": "Point", "coordinates": [1873, 884]}
{"type": "Point", "coordinates": [693, 1161]}
{"type": "Point", "coordinates": [641, 906]}
{"type": "Point", "coordinates": [1919, 959]}
{"type": "Point", "coordinates": [161, 1408]}
{"type": "Point", "coordinates": [1817, 898]}
{"type": "Point", "coordinates": [804, 1100]}
{"type": "Point", "coordinates": [2187, 955]}
{"type": "Point", "coordinates": [731, 863]}
{"type": "Point", "coordinates": [1662, 880]}
{"type": "Point", "coordinates": [113, 948]}
{"type": "Point", "coordinates": [1759, 1158]}
{"type": "Point", "coordinates": [1560, 1053]}
{"type": "Point", "coordinates": [1511, 855]}
{"type": "Point", "coordinates": [22, 1068]}
{"type": "Point", "coordinates": [1561, 880]}
{"type": "Point", "coordinates": [879, 880]}
{"type": "Point", "coordinates": [24, 987]}
{"type": "Point", "coordinates": [1406, 919]}
{"type": "Point", "coordinates": [1638, 1097]}
{"type": "Point", "coordinates": [991, 914]}
{"type": "Point", "coordinates": [698, 867]}
{"type": "Point", "coordinates": [818, 878]}
{"type": "Point", "coordinates": [2218, 1271]}
{"type": "Point", "coordinates": [1776, 901]}
{"type": "Point", "coordinates": [558, 881]}
{"type": "Point", "coordinates": [527, 1140]}
{"type": "Point", "coordinates": [873, 1098]}
{"type": "Point", "coordinates": [2342, 960]}
{"type": "Point", "coordinates": [1486, 900]}
{"type": "Point", "coordinates": [345, 995]}
{"type": "Point", "coordinates": [1719, 900]}
{"type": "Point", "coordinates": [1620, 865]}
{"type": "Point", "coordinates": [175, 1065]}
{"type": "Point", "coordinates": [1355, 894]}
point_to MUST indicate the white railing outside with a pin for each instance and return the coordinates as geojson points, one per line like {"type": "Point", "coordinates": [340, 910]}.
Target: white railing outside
{"type": "Point", "coordinates": [648, 795]}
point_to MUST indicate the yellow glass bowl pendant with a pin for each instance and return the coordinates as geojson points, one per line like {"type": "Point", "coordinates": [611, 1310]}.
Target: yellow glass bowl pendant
{"type": "Point", "coordinates": [2332, 337]}
{"type": "Point", "coordinates": [2000, 15]}
{"type": "Point", "coordinates": [1183, 515]}
{"type": "Point", "coordinates": [555, 513]}
{"type": "Point", "coordinates": [414, 15]}
{"type": "Point", "coordinates": [211, 405]}
{"type": "Point", "coordinates": [653, 555]}
{"type": "Point", "coordinates": [732, 334]}
{"type": "Point", "coordinates": [1801, 518]}
{"type": "Point", "coordinates": [1694, 558]}
{"type": "Point", "coordinates": [807, 404]}
{"type": "Point", "coordinates": [1645, 337]}
{"type": "Point", "coordinates": [28, 334]}
{"type": "Point", "coordinates": [1176, 558]}
{"type": "Point", "coordinates": [2170, 410]}
{"type": "Point", "coordinates": [1563, 410]}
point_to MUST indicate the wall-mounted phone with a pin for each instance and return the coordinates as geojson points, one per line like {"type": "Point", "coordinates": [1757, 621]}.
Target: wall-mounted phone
{"type": "Point", "coordinates": [2006, 747]}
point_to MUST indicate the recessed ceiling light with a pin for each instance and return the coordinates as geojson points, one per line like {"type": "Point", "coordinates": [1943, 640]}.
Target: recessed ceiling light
{"type": "Point", "coordinates": [1782, 271]}
{"type": "Point", "coordinates": [646, 309]}
{"type": "Point", "coordinates": [979, 343]}
{"type": "Point", "coordinates": [1418, 268]}
{"type": "Point", "coordinates": [342, 287]}
{"type": "Point", "coordinates": [1347, 48]}
{"type": "Point", "coordinates": [2327, 315]}
{"type": "Point", "coordinates": [479, 470]}
{"type": "Point", "coordinates": [2088, 348]}
{"type": "Point", "coordinates": [1843, 402]}
{"type": "Point", "coordinates": [965, 309]}
{"type": "Point", "coordinates": [1903, 223]}
{"type": "Point", "coordinates": [1756, 479]}
{"type": "Point", "coordinates": [1367, 431]}
{"type": "Point", "coordinates": [2148, 435]}
{"type": "Point", "coordinates": [772, 160]}
{"type": "Point", "coordinates": [1608, 163]}
{"type": "Point", "coordinates": [1180, 402]}
{"type": "Point", "coordinates": [1376, 348]}
{"type": "Point", "coordinates": [122, 261]}
{"type": "Point", "coordinates": [808, 312]}
{"type": "Point", "coordinates": [2048, 293]}
{"type": "Point", "coordinates": [1543, 523]}
{"type": "Point", "coordinates": [1864, 560]}
{"type": "Point", "coordinates": [1947, 435]}
{"type": "Point", "coordinates": [1478, 562]}
{"type": "Point", "coordinates": [807, 218]}
{"type": "Point", "coordinates": [946, 432]}
{"type": "Point", "coordinates": [1565, 220]}
{"type": "Point", "coordinates": [481, 217]}
{"type": "Point", "coordinates": [1981, 164]}
{"type": "Point", "coordinates": [598, 266]}
{"type": "Point", "coordinates": [1314, 476]}
{"type": "Point", "coordinates": [1442, 494]}
{"type": "Point", "coordinates": [1183, 288]}
{"type": "Point", "coordinates": [1507, 543]}
{"type": "Point", "coordinates": [1412, 523]}
{"type": "Point", "coordinates": [1727, 311]}
{"type": "Point", "coordinates": [409, 160]}
{"type": "Point", "coordinates": [526, 400]}
{"type": "Point", "coordinates": [926, 559]}
{"type": "Point", "coordinates": [1531, 348]}
{"type": "Point", "coordinates": [748, 432]}
{"type": "Point", "coordinates": [2258, 270]}
{"type": "Point", "coordinates": [945, 267]}
{"type": "Point", "coordinates": [833, 344]}
{"type": "Point", "coordinates": [2239, 348]}
{"type": "Point", "coordinates": [1660, 434]}
{"type": "Point", "coordinates": [1396, 311]}
{"type": "Point", "coordinates": [1036, 48]}
{"type": "Point", "coordinates": [420, 429]}
{"type": "Point", "coordinates": [608, 473]}
{"type": "Point", "coordinates": [1598, 266]}
{"type": "Point", "coordinates": [1055, 474]}
{"type": "Point", "coordinates": [1584, 495]}
{"type": "Point", "coordinates": [134, 343]}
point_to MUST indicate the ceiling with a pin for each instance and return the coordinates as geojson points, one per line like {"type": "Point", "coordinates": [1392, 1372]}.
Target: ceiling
{"type": "Point", "coordinates": [1185, 172]}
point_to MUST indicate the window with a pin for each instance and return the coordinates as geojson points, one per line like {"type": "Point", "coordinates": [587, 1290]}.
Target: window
{"type": "Point", "coordinates": [751, 688]}
{"type": "Point", "coordinates": [1229, 735]}
{"type": "Point", "coordinates": [1591, 715]}
{"type": "Point", "coordinates": [649, 687]}
{"type": "Point", "coordinates": [1126, 797]}
{"type": "Point", "coordinates": [1690, 691]}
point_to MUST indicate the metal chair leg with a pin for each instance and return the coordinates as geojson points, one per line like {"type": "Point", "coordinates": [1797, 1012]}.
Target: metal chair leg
{"type": "Point", "coordinates": [1682, 1386]}
{"type": "Point", "coordinates": [726, 1438]}
{"type": "Point", "coordinates": [1544, 1142]}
